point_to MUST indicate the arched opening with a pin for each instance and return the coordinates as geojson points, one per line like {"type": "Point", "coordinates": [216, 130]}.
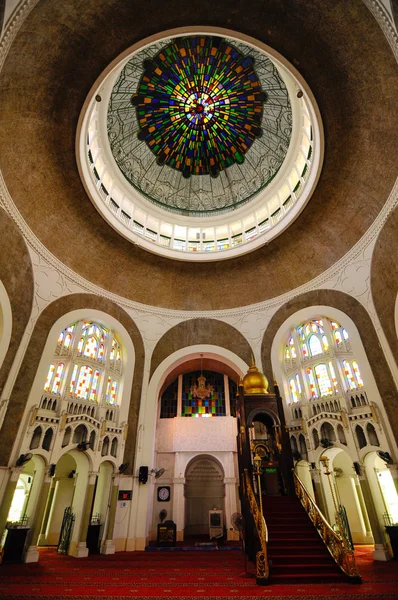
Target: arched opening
{"type": "Point", "coordinates": [114, 447]}
{"type": "Point", "coordinates": [48, 436]}
{"type": "Point", "coordinates": [68, 489]}
{"type": "Point", "coordinates": [328, 434]}
{"type": "Point", "coordinates": [36, 437]}
{"type": "Point", "coordinates": [80, 434]}
{"type": "Point", "coordinates": [341, 435]}
{"type": "Point", "coordinates": [372, 435]}
{"type": "Point", "coordinates": [100, 508]}
{"type": "Point", "coordinates": [382, 488]}
{"type": "Point", "coordinates": [361, 439]}
{"type": "Point", "coordinates": [60, 496]}
{"type": "Point", "coordinates": [105, 446]}
{"type": "Point", "coordinates": [204, 490]}
{"type": "Point", "coordinates": [27, 493]}
{"type": "Point", "coordinates": [341, 486]}
{"type": "Point", "coordinates": [67, 436]}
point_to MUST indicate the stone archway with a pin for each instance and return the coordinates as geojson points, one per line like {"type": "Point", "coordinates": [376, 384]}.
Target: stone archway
{"type": "Point", "coordinates": [204, 490]}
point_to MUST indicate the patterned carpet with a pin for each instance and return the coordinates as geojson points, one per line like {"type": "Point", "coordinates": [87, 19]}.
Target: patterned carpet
{"type": "Point", "coordinates": [208, 575]}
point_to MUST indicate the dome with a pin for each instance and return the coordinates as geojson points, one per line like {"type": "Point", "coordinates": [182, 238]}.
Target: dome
{"type": "Point", "coordinates": [200, 146]}
{"type": "Point", "coordinates": [255, 382]}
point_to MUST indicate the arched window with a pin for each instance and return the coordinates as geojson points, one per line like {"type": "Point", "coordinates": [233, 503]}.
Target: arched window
{"type": "Point", "coordinates": [92, 440]}
{"type": "Point", "coordinates": [315, 345]}
{"type": "Point", "coordinates": [315, 338]}
{"type": "Point", "coordinates": [372, 435]}
{"type": "Point", "coordinates": [360, 436]}
{"type": "Point", "coordinates": [114, 447]}
{"type": "Point", "coordinates": [48, 436]}
{"type": "Point", "coordinates": [341, 435]}
{"type": "Point", "coordinates": [324, 383]}
{"type": "Point", "coordinates": [303, 447]}
{"type": "Point", "coordinates": [105, 446]}
{"type": "Point", "coordinates": [35, 441]}
{"type": "Point", "coordinates": [327, 432]}
{"type": "Point", "coordinates": [80, 434]}
{"type": "Point", "coordinates": [67, 434]}
{"type": "Point", "coordinates": [315, 438]}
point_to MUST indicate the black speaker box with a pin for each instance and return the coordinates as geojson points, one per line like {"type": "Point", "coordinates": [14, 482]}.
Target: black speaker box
{"type": "Point", "coordinates": [143, 475]}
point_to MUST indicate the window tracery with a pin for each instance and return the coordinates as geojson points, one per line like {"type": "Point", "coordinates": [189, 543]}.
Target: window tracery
{"type": "Point", "coordinates": [91, 367]}
{"type": "Point", "coordinates": [313, 352]}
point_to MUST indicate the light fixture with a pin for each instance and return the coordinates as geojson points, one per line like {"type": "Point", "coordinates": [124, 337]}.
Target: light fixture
{"type": "Point", "coordinates": [201, 390]}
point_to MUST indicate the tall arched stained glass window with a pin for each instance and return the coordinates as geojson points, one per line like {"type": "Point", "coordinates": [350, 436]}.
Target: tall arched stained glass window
{"type": "Point", "coordinates": [357, 373]}
{"type": "Point", "coordinates": [84, 382]}
{"type": "Point", "coordinates": [324, 383]}
{"type": "Point", "coordinates": [91, 348]}
{"type": "Point", "coordinates": [84, 371]}
{"type": "Point", "coordinates": [94, 386]}
{"type": "Point", "coordinates": [349, 375]}
{"type": "Point", "coordinates": [56, 386]}
{"type": "Point", "coordinates": [315, 345]}
{"type": "Point", "coordinates": [317, 337]}
{"type": "Point", "coordinates": [293, 390]}
{"type": "Point", "coordinates": [49, 378]}
{"type": "Point", "coordinates": [311, 379]}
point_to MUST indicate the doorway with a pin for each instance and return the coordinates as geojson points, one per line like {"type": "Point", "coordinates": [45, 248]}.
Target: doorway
{"type": "Point", "coordinates": [204, 491]}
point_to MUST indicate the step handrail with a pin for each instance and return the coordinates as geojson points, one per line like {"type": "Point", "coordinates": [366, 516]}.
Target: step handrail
{"type": "Point", "coordinates": [340, 551]}
{"type": "Point", "coordinates": [262, 566]}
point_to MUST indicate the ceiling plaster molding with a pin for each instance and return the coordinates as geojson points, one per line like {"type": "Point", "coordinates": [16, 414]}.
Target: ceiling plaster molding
{"type": "Point", "coordinates": [387, 25]}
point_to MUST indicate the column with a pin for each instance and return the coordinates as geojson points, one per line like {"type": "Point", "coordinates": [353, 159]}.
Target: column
{"type": "Point", "coordinates": [80, 550]}
{"type": "Point", "coordinates": [179, 396]}
{"type": "Point", "coordinates": [8, 496]}
{"type": "Point", "coordinates": [380, 551]}
{"type": "Point", "coordinates": [231, 505]}
{"type": "Point", "coordinates": [32, 554]}
{"type": "Point", "coordinates": [227, 397]}
{"type": "Point", "coordinates": [108, 547]}
{"type": "Point", "coordinates": [179, 506]}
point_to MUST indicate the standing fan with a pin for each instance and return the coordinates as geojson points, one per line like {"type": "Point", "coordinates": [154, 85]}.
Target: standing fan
{"type": "Point", "coordinates": [237, 523]}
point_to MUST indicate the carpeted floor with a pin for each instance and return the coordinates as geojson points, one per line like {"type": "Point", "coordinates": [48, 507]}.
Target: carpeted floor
{"type": "Point", "coordinates": [209, 575]}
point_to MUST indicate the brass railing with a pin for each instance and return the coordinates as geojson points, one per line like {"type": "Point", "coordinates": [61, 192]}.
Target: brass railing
{"type": "Point", "coordinates": [338, 547]}
{"type": "Point", "coordinates": [262, 567]}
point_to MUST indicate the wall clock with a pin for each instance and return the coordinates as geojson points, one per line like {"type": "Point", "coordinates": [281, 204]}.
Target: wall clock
{"type": "Point", "coordinates": [164, 493]}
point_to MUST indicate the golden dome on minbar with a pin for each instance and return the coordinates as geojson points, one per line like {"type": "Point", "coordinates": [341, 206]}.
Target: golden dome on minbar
{"type": "Point", "coordinates": [255, 382]}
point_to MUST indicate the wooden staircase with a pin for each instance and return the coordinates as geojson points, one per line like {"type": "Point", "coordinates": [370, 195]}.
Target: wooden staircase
{"type": "Point", "coordinates": [296, 552]}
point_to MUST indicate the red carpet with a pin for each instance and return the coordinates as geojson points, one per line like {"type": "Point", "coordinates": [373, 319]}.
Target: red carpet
{"type": "Point", "coordinates": [209, 575]}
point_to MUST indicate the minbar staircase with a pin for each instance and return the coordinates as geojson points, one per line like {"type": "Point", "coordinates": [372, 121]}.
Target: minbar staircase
{"type": "Point", "coordinates": [296, 552]}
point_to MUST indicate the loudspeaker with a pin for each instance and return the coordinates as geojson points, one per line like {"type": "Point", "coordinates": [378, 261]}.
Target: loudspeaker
{"type": "Point", "coordinates": [143, 475]}
{"type": "Point", "coordinates": [357, 468]}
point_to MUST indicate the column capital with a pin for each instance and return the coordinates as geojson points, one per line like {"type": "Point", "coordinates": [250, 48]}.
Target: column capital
{"type": "Point", "coordinates": [179, 480]}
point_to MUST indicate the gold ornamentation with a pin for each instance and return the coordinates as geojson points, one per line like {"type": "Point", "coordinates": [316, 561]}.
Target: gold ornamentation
{"type": "Point", "coordinates": [262, 567]}
{"type": "Point", "coordinates": [201, 390]}
{"type": "Point", "coordinates": [255, 382]}
{"type": "Point", "coordinates": [342, 555]}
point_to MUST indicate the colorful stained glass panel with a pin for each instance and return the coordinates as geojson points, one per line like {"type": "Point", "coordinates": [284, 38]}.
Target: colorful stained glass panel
{"type": "Point", "coordinates": [199, 105]}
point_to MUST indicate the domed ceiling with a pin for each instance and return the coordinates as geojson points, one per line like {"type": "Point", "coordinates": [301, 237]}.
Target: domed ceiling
{"type": "Point", "coordinates": [201, 103]}
{"type": "Point", "coordinates": [62, 48]}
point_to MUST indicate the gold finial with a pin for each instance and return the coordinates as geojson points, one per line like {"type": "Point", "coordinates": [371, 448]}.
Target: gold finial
{"type": "Point", "coordinates": [255, 382]}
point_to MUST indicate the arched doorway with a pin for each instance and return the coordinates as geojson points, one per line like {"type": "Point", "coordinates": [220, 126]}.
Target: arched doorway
{"type": "Point", "coordinates": [204, 490]}
{"type": "Point", "coordinates": [343, 483]}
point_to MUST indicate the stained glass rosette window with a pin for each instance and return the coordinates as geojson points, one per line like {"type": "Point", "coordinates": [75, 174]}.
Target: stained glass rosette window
{"type": "Point", "coordinates": [209, 128]}
{"type": "Point", "coordinates": [199, 105]}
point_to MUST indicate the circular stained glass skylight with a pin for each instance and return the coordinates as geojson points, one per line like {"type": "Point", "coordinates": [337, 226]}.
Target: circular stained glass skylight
{"type": "Point", "coordinates": [199, 124]}
{"type": "Point", "coordinates": [200, 144]}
